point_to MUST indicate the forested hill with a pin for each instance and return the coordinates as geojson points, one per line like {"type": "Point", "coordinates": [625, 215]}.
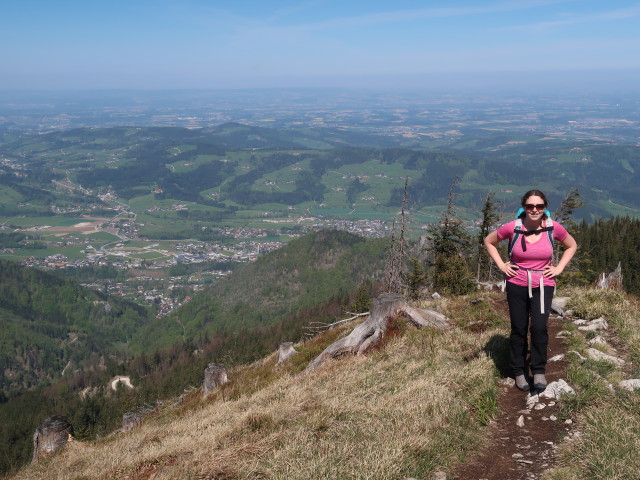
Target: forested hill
{"type": "Point", "coordinates": [305, 272]}
{"type": "Point", "coordinates": [604, 243]}
{"type": "Point", "coordinates": [52, 324]}
{"type": "Point", "coordinates": [49, 324]}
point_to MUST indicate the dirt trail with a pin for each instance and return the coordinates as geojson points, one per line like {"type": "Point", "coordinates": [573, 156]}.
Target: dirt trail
{"type": "Point", "coordinates": [517, 453]}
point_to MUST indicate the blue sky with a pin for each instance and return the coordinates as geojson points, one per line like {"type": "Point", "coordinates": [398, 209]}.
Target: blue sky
{"type": "Point", "coordinates": [171, 44]}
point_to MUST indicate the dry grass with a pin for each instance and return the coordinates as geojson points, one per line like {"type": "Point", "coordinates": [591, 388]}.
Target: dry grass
{"type": "Point", "coordinates": [413, 406]}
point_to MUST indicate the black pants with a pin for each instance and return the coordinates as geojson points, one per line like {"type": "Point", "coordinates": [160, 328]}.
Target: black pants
{"type": "Point", "coordinates": [525, 314]}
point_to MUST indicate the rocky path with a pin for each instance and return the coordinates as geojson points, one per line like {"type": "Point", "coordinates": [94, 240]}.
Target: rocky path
{"type": "Point", "coordinates": [516, 452]}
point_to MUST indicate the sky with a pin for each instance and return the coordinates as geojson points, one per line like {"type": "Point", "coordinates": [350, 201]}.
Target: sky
{"type": "Point", "coordinates": [212, 44]}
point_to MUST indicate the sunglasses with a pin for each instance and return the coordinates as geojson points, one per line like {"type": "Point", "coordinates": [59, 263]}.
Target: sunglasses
{"type": "Point", "coordinates": [531, 206]}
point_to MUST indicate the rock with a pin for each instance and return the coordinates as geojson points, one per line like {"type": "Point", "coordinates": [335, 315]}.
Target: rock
{"type": "Point", "coordinates": [568, 313]}
{"type": "Point", "coordinates": [556, 389]}
{"type": "Point", "coordinates": [563, 334]}
{"type": "Point", "coordinates": [595, 354]}
{"type": "Point", "coordinates": [215, 375]}
{"type": "Point", "coordinates": [439, 476]}
{"type": "Point", "coordinates": [568, 421]}
{"type": "Point", "coordinates": [580, 321]}
{"type": "Point", "coordinates": [520, 421]}
{"type": "Point", "coordinates": [558, 304]}
{"type": "Point", "coordinates": [539, 406]}
{"type": "Point", "coordinates": [285, 352]}
{"type": "Point", "coordinates": [557, 358]}
{"type": "Point", "coordinates": [508, 382]}
{"type": "Point", "coordinates": [577, 354]}
{"type": "Point", "coordinates": [50, 436]}
{"type": "Point", "coordinates": [594, 325]}
{"type": "Point", "coordinates": [553, 418]}
{"type": "Point", "coordinates": [517, 455]}
{"type": "Point", "coordinates": [632, 384]}
{"type": "Point", "coordinates": [531, 401]}
{"type": "Point", "coordinates": [597, 340]}
{"type": "Point", "coordinates": [436, 295]}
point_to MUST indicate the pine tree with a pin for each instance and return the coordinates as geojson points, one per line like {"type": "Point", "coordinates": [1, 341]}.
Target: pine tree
{"type": "Point", "coordinates": [416, 279]}
{"type": "Point", "coordinates": [490, 217]}
{"type": "Point", "coordinates": [450, 244]}
{"type": "Point", "coordinates": [564, 216]}
{"type": "Point", "coordinates": [362, 300]}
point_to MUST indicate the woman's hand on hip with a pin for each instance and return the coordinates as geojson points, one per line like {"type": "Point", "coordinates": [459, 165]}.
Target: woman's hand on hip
{"type": "Point", "coordinates": [551, 271]}
{"type": "Point", "coordinates": [509, 269]}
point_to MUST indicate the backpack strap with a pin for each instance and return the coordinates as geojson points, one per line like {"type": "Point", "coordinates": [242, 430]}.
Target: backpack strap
{"type": "Point", "coordinates": [520, 233]}
{"type": "Point", "coordinates": [517, 231]}
{"type": "Point", "coordinates": [549, 230]}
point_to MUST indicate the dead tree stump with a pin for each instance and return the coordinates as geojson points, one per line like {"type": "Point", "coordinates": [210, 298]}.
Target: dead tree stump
{"type": "Point", "coordinates": [215, 375]}
{"type": "Point", "coordinates": [130, 420]}
{"type": "Point", "coordinates": [370, 332]}
{"type": "Point", "coordinates": [613, 280]}
{"type": "Point", "coordinates": [285, 352]}
{"type": "Point", "coordinates": [50, 436]}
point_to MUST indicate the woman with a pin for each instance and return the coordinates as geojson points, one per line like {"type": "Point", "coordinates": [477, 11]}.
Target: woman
{"type": "Point", "coordinates": [530, 279]}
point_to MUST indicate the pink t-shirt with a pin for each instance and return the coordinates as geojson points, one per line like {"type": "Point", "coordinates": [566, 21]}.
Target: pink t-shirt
{"type": "Point", "coordinates": [537, 256]}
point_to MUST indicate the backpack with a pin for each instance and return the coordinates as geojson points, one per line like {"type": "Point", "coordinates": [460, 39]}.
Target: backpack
{"type": "Point", "coordinates": [519, 233]}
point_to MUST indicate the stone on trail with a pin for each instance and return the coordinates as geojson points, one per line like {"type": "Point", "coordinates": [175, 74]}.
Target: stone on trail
{"type": "Point", "coordinates": [595, 354]}
{"type": "Point", "coordinates": [557, 358]}
{"type": "Point", "coordinates": [631, 384]}
{"type": "Point", "coordinates": [508, 382]}
{"type": "Point", "coordinates": [577, 354]}
{"type": "Point", "coordinates": [556, 389]}
{"type": "Point", "coordinates": [531, 401]}
{"type": "Point", "coordinates": [594, 325]}
{"type": "Point", "coordinates": [520, 421]}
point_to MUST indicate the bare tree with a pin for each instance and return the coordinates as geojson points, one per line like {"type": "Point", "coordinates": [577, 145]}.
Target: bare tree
{"type": "Point", "coordinates": [396, 267]}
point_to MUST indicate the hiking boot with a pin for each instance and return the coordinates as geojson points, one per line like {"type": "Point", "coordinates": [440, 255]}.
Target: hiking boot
{"type": "Point", "coordinates": [521, 383]}
{"type": "Point", "coordinates": [539, 382]}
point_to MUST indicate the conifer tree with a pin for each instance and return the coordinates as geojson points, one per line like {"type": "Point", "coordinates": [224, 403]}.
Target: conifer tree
{"type": "Point", "coordinates": [564, 216]}
{"type": "Point", "coordinates": [362, 300]}
{"type": "Point", "coordinates": [490, 217]}
{"type": "Point", "coordinates": [416, 279]}
{"type": "Point", "coordinates": [450, 244]}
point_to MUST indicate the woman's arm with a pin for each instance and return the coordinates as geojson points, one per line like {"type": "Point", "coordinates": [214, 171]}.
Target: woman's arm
{"type": "Point", "coordinates": [570, 245]}
{"type": "Point", "coordinates": [491, 242]}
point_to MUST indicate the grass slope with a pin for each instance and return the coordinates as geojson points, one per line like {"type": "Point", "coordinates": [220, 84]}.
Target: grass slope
{"type": "Point", "coordinates": [418, 404]}
{"type": "Point", "coordinates": [415, 405]}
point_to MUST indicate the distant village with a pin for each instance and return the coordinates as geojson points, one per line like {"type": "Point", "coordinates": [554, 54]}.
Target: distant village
{"type": "Point", "coordinates": [147, 282]}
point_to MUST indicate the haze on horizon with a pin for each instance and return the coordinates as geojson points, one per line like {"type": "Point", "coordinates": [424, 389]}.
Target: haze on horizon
{"type": "Point", "coordinates": [223, 44]}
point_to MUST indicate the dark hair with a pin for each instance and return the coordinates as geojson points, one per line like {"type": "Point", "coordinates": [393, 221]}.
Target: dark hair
{"type": "Point", "coordinates": [535, 193]}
